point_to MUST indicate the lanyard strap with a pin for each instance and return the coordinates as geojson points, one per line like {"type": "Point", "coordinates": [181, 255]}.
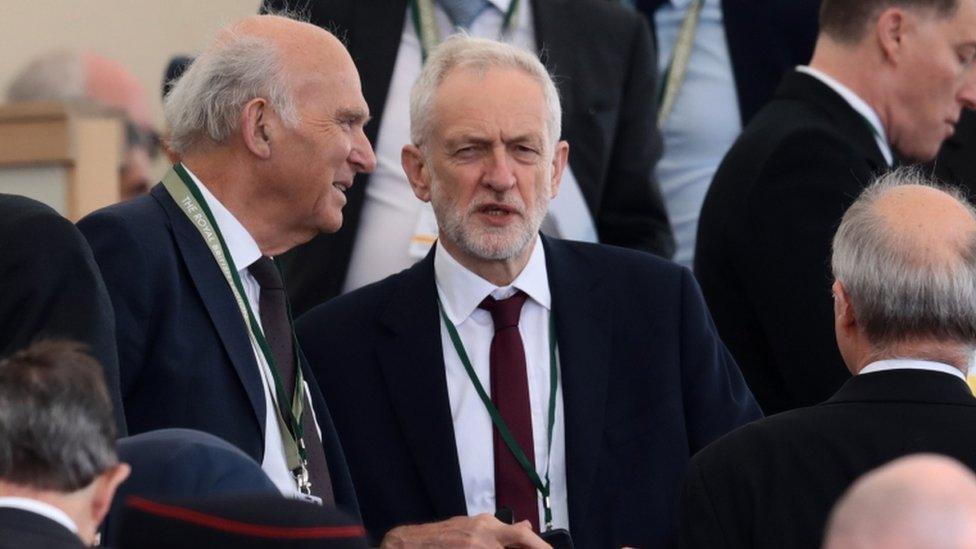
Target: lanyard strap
{"type": "Point", "coordinates": [422, 14]}
{"type": "Point", "coordinates": [187, 196]}
{"type": "Point", "coordinates": [674, 75]}
{"type": "Point", "coordinates": [499, 422]}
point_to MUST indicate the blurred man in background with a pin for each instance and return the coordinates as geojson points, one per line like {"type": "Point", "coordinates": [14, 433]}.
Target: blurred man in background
{"type": "Point", "coordinates": [72, 76]}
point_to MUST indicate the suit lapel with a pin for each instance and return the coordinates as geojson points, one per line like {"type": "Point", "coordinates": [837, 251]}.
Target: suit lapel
{"type": "Point", "coordinates": [218, 300]}
{"type": "Point", "coordinates": [412, 362]}
{"type": "Point", "coordinates": [584, 328]}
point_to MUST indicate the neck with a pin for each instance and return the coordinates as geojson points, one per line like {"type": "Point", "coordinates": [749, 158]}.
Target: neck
{"type": "Point", "coordinates": [232, 182]}
{"type": "Point", "coordinates": [951, 353]}
{"type": "Point", "coordinates": [72, 504]}
{"type": "Point", "coordinates": [846, 64]}
{"type": "Point", "coordinates": [500, 272]}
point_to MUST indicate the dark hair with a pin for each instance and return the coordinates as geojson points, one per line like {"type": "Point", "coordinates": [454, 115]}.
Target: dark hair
{"type": "Point", "coordinates": [57, 431]}
{"type": "Point", "coordinates": [846, 20]}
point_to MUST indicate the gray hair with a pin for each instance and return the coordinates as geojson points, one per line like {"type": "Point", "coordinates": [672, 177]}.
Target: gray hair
{"type": "Point", "coordinates": [54, 76]}
{"type": "Point", "coordinates": [464, 52]}
{"type": "Point", "coordinates": [896, 294]}
{"type": "Point", "coordinates": [205, 103]}
{"type": "Point", "coordinates": [57, 431]}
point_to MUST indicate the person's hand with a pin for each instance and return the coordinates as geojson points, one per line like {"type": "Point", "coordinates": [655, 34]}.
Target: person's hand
{"type": "Point", "coordinates": [481, 531]}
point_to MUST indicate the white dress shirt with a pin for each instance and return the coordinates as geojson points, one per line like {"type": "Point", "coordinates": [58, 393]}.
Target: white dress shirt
{"type": "Point", "coordinates": [391, 212]}
{"type": "Point", "coordinates": [243, 252]}
{"type": "Point", "coordinates": [40, 508]}
{"type": "Point", "coordinates": [911, 364]}
{"type": "Point", "coordinates": [460, 292]}
{"type": "Point", "coordinates": [704, 122]}
{"type": "Point", "coordinates": [859, 105]}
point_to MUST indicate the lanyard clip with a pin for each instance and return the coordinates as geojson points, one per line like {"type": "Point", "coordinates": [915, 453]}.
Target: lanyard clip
{"type": "Point", "coordinates": [301, 478]}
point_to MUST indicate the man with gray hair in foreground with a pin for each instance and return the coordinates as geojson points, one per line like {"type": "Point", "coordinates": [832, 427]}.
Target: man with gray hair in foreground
{"type": "Point", "coordinates": [268, 122]}
{"type": "Point", "coordinates": [904, 264]}
{"type": "Point", "coordinates": [923, 501]}
{"type": "Point", "coordinates": [561, 383]}
{"type": "Point", "coordinates": [58, 467]}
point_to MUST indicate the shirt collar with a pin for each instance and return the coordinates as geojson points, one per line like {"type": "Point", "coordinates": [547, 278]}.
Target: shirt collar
{"type": "Point", "coordinates": [243, 249]}
{"type": "Point", "coordinates": [461, 291]}
{"type": "Point", "coordinates": [501, 5]}
{"type": "Point", "coordinates": [911, 364]}
{"type": "Point", "coordinates": [40, 508]}
{"type": "Point", "coordinates": [859, 105]}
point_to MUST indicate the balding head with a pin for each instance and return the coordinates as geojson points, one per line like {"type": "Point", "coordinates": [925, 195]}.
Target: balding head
{"type": "Point", "coordinates": [266, 56]}
{"type": "Point", "coordinates": [904, 260]}
{"type": "Point", "coordinates": [922, 501]}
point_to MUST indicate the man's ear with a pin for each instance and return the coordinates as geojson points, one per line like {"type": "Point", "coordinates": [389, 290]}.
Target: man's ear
{"type": "Point", "coordinates": [890, 29]}
{"type": "Point", "coordinates": [843, 308]}
{"type": "Point", "coordinates": [104, 490]}
{"type": "Point", "coordinates": [418, 172]}
{"type": "Point", "coordinates": [559, 159]}
{"type": "Point", "coordinates": [256, 127]}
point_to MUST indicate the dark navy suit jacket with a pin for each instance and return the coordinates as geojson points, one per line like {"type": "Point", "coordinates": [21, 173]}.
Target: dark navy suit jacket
{"type": "Point", "coordinates": [646, 383]}
{"type": "Point", "coordinates": [185, 359]}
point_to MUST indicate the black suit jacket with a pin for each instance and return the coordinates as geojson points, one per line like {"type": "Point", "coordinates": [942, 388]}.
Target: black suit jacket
{"type": "Point", "coordinates": [605, 69]}
{"type": "Point", "coordinates": [51, 288]}
{"type": "Point", "coordinates": [646, 383]}
{"type": "Point", "coordinates": [184, 353]}
{"type": "Point", "coordinates": [20, 529]}
{"type": "Point", "coordinates": [763, 249]}
{"type": "Point", "coordinates": [766, 39]}
{"type": "Point", "coordinates": [772, 483]}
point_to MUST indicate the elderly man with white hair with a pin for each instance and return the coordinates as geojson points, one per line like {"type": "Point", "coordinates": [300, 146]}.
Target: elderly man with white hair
{"type": "Point", "coordinates": [268, 122]}
{"type": "Point", "coordinates": [904, 290]}
{"type": "Point", "coordinates": [562, 384]}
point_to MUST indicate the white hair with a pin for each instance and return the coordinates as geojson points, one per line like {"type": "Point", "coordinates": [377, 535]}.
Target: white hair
{"type": "Point", "coordinates": [898, 295]}
{"type": "Point", "coordinates": [207, 100]}
{"type": "Point", "coordinates": [464, 52]}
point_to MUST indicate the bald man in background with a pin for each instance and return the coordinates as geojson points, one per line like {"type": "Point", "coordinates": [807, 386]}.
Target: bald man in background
{"type": "Point", "coordinates": [72, 76]}
{"type": "Point", "coordinates": [904, 292]}
{"type": "Point", "coordinates": [916, 501]}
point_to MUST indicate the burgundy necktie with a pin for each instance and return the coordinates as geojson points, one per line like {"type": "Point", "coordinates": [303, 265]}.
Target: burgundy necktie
{"type": "Point", "coordinates": [276, 324]}
{"type": "Point", "coordinates": [510, 394]}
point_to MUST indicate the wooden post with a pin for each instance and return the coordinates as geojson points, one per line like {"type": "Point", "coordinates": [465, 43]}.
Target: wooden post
{"type": "Point", "coordinates": [66, 155]}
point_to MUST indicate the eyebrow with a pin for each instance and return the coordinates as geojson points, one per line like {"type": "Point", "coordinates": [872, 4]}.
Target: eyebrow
{"type": "Point", "coordinates": [355, 114]}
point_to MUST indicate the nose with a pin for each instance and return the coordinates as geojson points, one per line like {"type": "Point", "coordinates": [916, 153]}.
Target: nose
{"type": "Point", "coordinates": [499, 174]}
{"type": "Point", "coordinates": [361, 156]}
{"type": "Point", "coordinates": [967, 93]}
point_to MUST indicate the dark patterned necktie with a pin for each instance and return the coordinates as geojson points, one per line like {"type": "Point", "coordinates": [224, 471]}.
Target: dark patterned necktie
{"type": "Point", "coordinates": [277, 330]}
{"type": "Point", "coordinates": [510, 394]}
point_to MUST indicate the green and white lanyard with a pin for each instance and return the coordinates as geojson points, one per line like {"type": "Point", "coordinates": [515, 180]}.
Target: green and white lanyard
{"type": "Point", "coordinates": [422, 14]}
{"type": "Point", "coordinates": [499, 422]}
{"type": "Point", "coordinates": [187, 196]}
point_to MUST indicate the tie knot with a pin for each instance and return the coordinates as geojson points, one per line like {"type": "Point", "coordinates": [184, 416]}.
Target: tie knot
{"type": "Point", "coordinates": [505, 312]}
{"type": "Point", "coordinates": [266, 273]}
{"type": "Point", "coordinates": [464, 12]}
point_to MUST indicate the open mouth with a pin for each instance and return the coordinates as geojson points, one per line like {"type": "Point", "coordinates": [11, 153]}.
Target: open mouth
{"type": "Point", "coordinates": [343, 186]}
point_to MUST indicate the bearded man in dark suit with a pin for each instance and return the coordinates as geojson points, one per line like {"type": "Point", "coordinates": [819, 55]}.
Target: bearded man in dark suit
{"type": "Point", "coordinates": [601, 362]}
